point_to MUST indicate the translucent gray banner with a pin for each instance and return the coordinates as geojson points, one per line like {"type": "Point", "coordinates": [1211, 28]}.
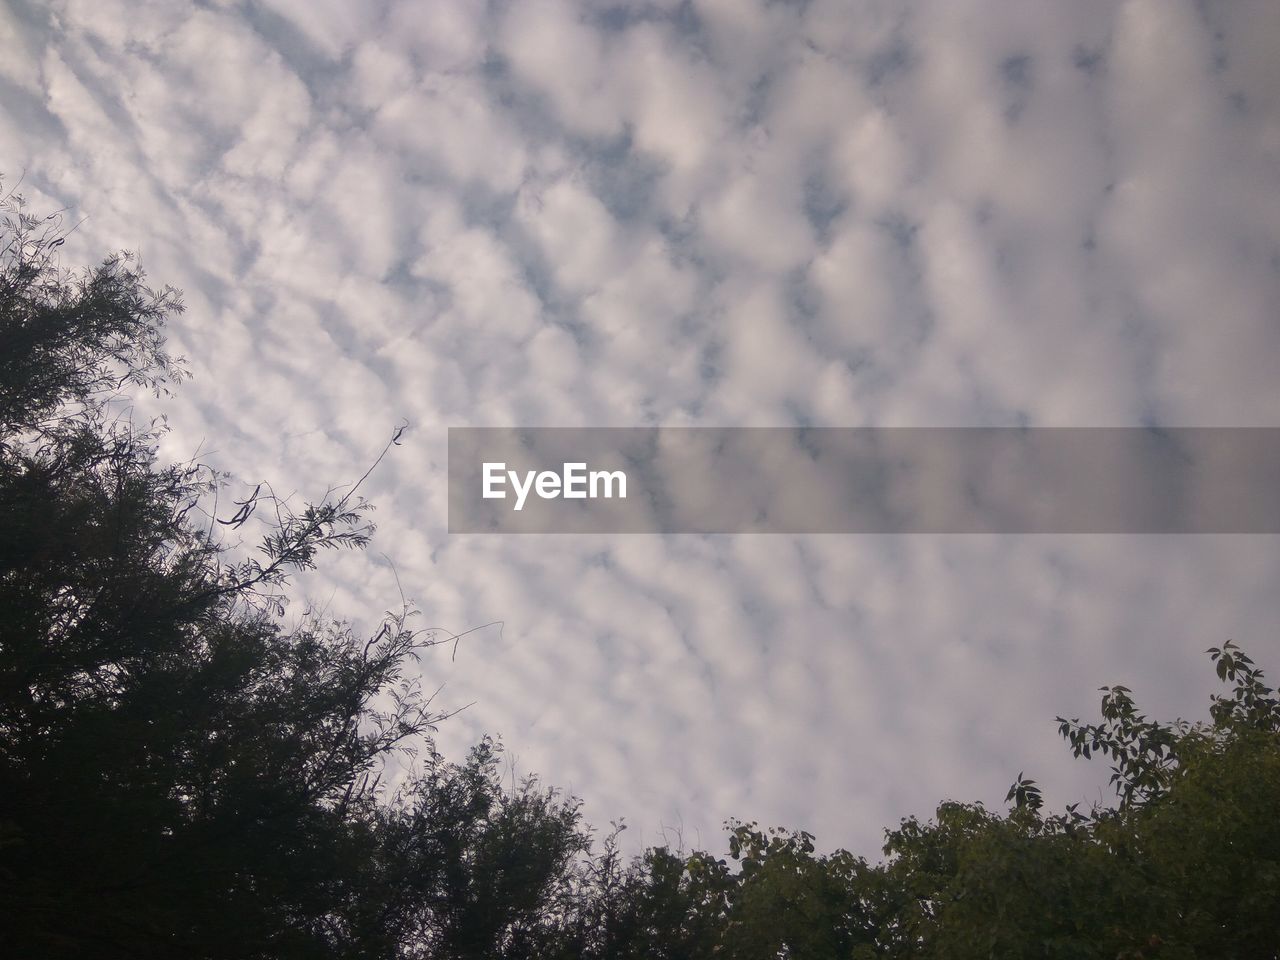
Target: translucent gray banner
{"type": "Point", "coordinates": [837, 480]}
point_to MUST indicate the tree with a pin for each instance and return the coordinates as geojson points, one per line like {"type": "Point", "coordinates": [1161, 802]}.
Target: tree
{"type": "Point", "coordinates": [181, 774]}
{"type": "Point", "coordinates": [1185, 863]}
{"type": "Point", "coordinates": [69, 341]}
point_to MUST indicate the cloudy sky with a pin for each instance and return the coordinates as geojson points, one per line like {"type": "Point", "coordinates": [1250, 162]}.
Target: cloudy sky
{"type": "Point", "coordinates": [720, 213]}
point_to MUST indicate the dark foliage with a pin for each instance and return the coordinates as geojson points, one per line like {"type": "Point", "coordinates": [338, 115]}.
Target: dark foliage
{"type": "Point", "coordinates": [182, 775]}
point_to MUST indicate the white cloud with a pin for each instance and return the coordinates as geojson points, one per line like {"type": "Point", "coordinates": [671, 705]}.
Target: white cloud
{"type": "Point", "coordinates": [543, 36]}
{"type": "Point", "coordinates": [730, 213]}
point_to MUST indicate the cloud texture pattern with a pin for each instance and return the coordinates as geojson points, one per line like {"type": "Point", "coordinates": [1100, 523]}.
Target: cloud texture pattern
{"type": "Point", "coordinates": [719, 213]}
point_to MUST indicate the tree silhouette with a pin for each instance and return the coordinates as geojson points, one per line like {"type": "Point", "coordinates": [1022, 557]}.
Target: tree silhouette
{"type": "Point", "coordinates": [179, 773]}
{"type": "Point", "coordinates": [182, 775]}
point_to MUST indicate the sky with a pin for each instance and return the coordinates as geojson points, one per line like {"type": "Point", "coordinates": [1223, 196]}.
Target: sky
{"type": "Point", "coordinates": [716, 213]}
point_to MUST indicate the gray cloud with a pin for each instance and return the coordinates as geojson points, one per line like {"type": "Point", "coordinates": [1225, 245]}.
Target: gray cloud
{"type": "Point", "coordinates": [717, 213]}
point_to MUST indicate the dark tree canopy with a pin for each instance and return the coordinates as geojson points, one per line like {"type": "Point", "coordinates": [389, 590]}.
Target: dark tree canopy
{"type": "Point", "coordinates": [70, 340]}
{"type": "Point", "coordinates": [182, 774]}
{"type": "Point", "coordinates": [1185, 864]}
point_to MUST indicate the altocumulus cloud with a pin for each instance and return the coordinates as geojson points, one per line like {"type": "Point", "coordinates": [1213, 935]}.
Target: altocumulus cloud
{"type": "Point", "coordinates": [709, 213]}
